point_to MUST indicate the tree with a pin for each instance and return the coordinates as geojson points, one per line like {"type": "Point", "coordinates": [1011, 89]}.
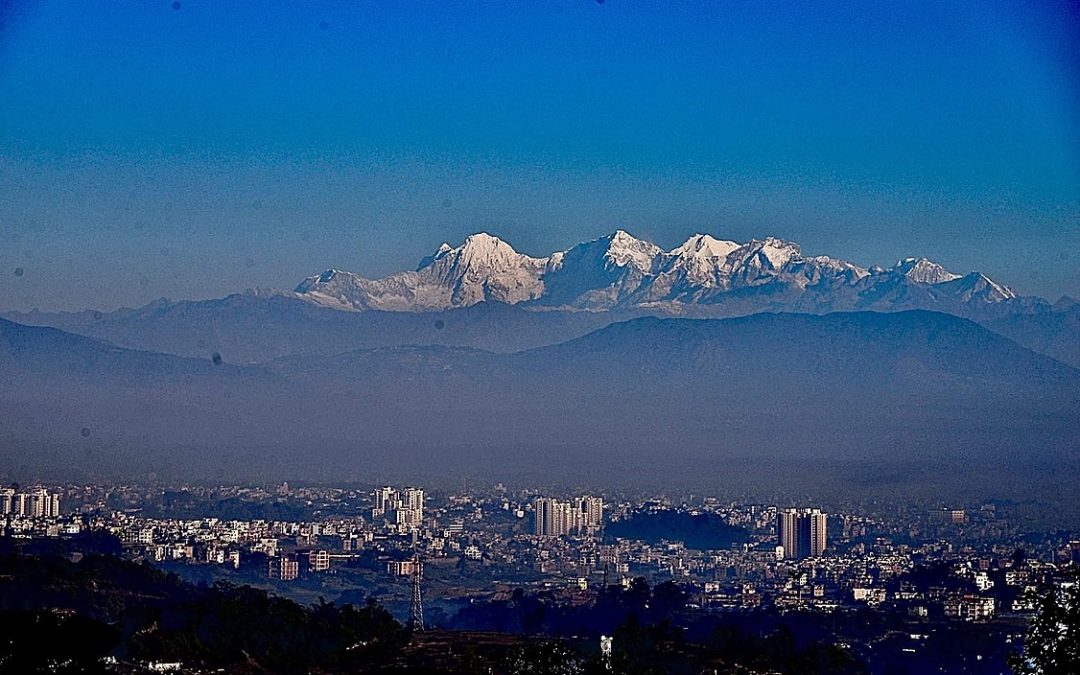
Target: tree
{"type": "Point", "coordinates": [667, 599]}
{"type": "Point", "coordinates": [545, 658]}
{"type": "Point", "coordinates": [636, 598]}
{"type": "Point", "coordinates": [1052, 645]}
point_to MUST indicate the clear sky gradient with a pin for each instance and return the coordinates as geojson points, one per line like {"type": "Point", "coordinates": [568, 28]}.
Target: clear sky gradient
{"type": "Point", "coordinates": [190, 150]}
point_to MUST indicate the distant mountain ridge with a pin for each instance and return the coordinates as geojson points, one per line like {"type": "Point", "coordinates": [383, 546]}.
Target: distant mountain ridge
{"type": "Point", "coordinates": [624, 272]}
{"type": "Point", "coordinates": [484, 294]}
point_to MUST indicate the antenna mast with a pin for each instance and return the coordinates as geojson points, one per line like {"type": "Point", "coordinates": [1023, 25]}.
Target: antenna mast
{"type": "Point", "coordinates": [416, 606]}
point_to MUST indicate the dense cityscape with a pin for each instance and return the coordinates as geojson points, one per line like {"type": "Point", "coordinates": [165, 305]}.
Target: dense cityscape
{"type": "Point", "coordinates": [457, 560]}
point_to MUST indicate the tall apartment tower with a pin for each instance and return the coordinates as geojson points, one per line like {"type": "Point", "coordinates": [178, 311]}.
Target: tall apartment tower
{"type": "Point", "coordinates": [385, 499]}
{"type": "Point", "coordinates": [544, 514]}
{"type": "Point", "coordinates": [409, 510]}
{"type": "Point", "coordinates": [592, 512]}
{"type": "Point", "coordinates": [7, 500]}
{"type": "Point", "coordinates": [803, 533]}
{"type": "Point", "coordinates": [413, 502]}
{"type": "Point", "coordinates": [285, 568]}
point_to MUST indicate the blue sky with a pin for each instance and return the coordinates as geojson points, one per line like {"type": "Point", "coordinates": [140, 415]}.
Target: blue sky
{"type": "Point", "coordinates": [147, 151]}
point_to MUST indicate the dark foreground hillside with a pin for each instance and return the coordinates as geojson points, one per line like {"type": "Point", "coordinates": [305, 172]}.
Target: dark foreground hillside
{"type": "Point", "coordinates": [103, 614]}
{"type": "Point", "coordinates": [62, 611]}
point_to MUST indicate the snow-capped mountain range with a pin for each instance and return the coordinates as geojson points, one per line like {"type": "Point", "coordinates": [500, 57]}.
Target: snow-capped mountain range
{"type": "Point", "coordinates": [483, 294]}
{"type": "Point", "coordinates": [704, 275]}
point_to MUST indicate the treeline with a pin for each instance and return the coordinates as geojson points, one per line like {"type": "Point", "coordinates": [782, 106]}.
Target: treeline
{"type": "Point", "coordinates": [63, 616]}
{"type": "Point", "coordinates": [656, 631]}
{"type": "Point", "coordinates": [62, 613]}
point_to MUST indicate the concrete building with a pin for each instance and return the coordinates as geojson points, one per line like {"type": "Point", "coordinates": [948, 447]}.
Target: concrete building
{"type": "Point", "coordinates": [802, 533]}
{"type": "Point", "coordinates": [969, 607]}
{"type": "Point", "coordinates": [401, 568]}
{"type": "Point", "coordinates": [319, 561]}
{"type": "Point", "coordinates": [403, 510]}
{"type": "Point", "coordinates": [36, 503]}
{"type": "Point", "coordinates": [554, 518]}
{"type": "Point", "coordinates": [285, 568]}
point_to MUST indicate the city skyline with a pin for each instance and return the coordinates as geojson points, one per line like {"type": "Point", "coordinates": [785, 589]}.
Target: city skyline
{"type": "Point", "coordinates": [969, 572]}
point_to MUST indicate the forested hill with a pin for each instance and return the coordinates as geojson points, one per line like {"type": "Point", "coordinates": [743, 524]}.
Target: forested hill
{"type": "Point", "coordinates": [704, 531]}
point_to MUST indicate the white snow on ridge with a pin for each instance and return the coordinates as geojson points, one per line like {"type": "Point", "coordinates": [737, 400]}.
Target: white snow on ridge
{"type": "Point", "coordinates": [624, 249]}
{"type": "Point", "coordinates": [779, 252]}
{"type": "Point", "coordinates": [924, 271]}
{"type": "Point", "coordinates": [620, 270]}
{"type": "Point", "coordinates": [704, 246]}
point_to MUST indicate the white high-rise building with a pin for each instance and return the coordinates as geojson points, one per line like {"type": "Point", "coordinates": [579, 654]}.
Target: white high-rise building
{"type": "Point", "coordinates": [7, 500]}
{"type": "Point", "coordinates": [385, 498]}
{"type": "Point", "coordinates": [402, 509]}
{"type": "Point", "coordinates": [544, 516]}
{"type": "Point", "coordinates": [553, 517]}
{"type": "Point", "coordinates": [412, 499]}
{"type": "Point", "coordinates": [36, 503]}
{"type": "Point", "coordinates": [592, 512]}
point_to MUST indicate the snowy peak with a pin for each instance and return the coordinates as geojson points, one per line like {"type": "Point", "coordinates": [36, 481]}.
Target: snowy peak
{"type": "Point", "coordinates": [313, 282]}
{"type": "Point", "coordinates": [704, 246]}
{"type": "Point", "coordinates": [979, 287]}
{"type": "Point", "coordinates": [822, 268]}
{"type": "Point", "coordinates": [700, 263]}
{"type": "Point", "coordinates": [485, 247]}
{"type": "Point", "coordinates": [440, 252]}
{"type": "Point", "coordinates": [483, 268]}
{"type": "Point", "coordinates": [760, 261]}
{"type": "Point", "coordinates": [923, 271]}
{"type": "Point", "coordinates": [481, 252]}
{"type": "Point", "coordinates": [624, 249]}
{"type": "Point", "coordinates": [336, 289]}
{"type": "Point", "coordinates": [599, 274]}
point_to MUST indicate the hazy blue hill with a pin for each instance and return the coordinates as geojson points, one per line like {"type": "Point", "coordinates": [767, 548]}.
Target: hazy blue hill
{"type": "Point", "coordinates": [260, 327]}
{"type": "Point", "coordinates": [775, 348]}
{"type": "Point", "coordinates": [42, 352]}
{"type": "Point", "coordinates": [72, 405]}
{"type": "Point", "coordinates": [250, 328]}
{"type": "Point", "coordinates": [910, 385]}
{"type": "Point", "coordinates": [1055, 332]}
